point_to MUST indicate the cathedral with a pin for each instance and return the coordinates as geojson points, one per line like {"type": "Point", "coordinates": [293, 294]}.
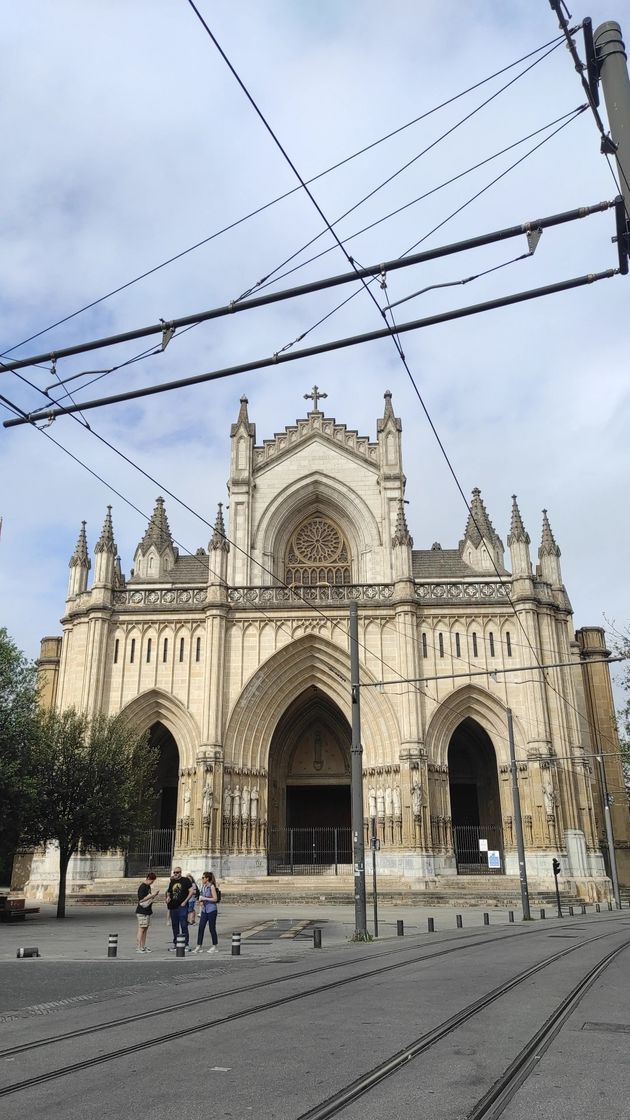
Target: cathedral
{"type": "Point", "coordinates": [236, 663]}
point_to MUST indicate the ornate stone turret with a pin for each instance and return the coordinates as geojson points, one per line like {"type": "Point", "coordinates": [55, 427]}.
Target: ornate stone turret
{"type": "Point", "coordinates": [105, 553]}
{"type": "Point", "coordinates": [79, 565]}
{"type": "Point", "coordinates": [481, 547]}
{"type": "Point", "coordinates": [549, 556]}
{"type": "Point", "coordinates": [391, 477]}
{"type": "Point", "coordinates": [242, 437]}
{"type": "Point", "coordinates": [218, 549]}
{"type": "Point", "coordinates": [518, 544]}
{"type": "Point", "coordinates": [156, 553]}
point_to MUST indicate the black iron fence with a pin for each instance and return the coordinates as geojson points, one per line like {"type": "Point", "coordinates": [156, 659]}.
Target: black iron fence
{"type": "Point", "coordinates": [478, 849]}
{"type": "Point", "coordinates": [150, 851]}
{"type": "Point", "coordinates": [309, 851]}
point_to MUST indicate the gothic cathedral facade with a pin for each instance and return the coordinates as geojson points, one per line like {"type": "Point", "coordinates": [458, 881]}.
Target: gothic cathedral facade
{"type": "Point", "coordinates": [236, 662]}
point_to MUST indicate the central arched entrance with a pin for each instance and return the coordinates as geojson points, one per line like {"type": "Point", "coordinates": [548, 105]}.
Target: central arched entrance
{"type": "Point", "coordinates": [475, 800]}
{"type": "Point", "coordinates": [152, 848]}
{"type": "Point", "coordinates": [309, 788]}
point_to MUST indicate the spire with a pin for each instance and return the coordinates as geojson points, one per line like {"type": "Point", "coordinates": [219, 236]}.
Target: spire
{"type": "Point", "coordinates": [479, 526]}
{"type": "Point", "coordinates": [389, 412]}
{"type": "Point", "coordinates": [242, 420]}
{"type": "Point", "coordinates": [518, 533]}
{"type": "Point", "coordinates": [105, 542]}
{"type": "Point", "coordinates": [219, 539]}
{"type": "Point", "coordinates": [158, 532]}
{"type": "Point", "coordinates": [402, 535]}
{"type": "Point", "coordinates": [80, 558]}
{"type": "Point", "coordinates": [548, 546]}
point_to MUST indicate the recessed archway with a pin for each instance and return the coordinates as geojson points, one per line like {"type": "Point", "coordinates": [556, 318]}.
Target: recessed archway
{"type": "Point", "coordinates": [166, 776]}
{"type": "Point", "coordinates": [475, 799]}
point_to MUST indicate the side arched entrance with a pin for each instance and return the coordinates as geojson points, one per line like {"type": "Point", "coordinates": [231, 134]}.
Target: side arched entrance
{"type": "Point", "coordinates": [309, 789]}
{"type": "Point", "coordinates": [475, 800]}
{"type": "Point", "coordinates": [152, 848]}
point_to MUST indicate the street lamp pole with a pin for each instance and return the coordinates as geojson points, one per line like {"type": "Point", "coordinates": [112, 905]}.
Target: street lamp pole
{"type": "Point", "coordinates": [358, 842]}
{"type": "Point", "coordinates": [518, 822]}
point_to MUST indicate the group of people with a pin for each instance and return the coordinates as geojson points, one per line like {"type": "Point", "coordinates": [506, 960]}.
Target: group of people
{"type": "Point", "coordinates": [182, 896]}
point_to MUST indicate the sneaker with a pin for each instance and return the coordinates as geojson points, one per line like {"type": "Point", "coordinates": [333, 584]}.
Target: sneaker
{"type": "Point", "coordinates": [188, 949]}
{"type": "Point", "coordinates": [145, 950]}
{"type": "Point", "coordinates": [213, 949]}
{"type": "Point", "coordinates": [198, 949]}
{"type": "Point", "coordinates": [139, 950]}
{"type": "Point", "coordinates": [171, 948]}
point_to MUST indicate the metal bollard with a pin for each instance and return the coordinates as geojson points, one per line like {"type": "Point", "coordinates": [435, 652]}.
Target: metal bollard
{"type": "Point", "coordinates": [317, 938]}
{"type": "Point", "coordinates": [112, 945]}
{"type": "Point", "coordinates": [180, 945]}
{"type": "Point", "coordinates": [570, 911]}
{"type": "Point", "coordinates": [542, 914]}
{"type": "Point", "coordinates": [236, 944]}
{"type": "Point", "coordinates": [610, 905]}
{"type": "Point", "coordinates": [486, 919]}
{"type": "Point", "coordinates": [431, 925]}
{"type": "Point", "coordinates": [510, 915]}
{"type": "Point", "coordinates": [31, 951]}
{"type": "Point", "coordinates": [598, 908]}
{"type": "Point", "coordinates": [400, 928]}
{"type": "Point", "coordinates": [458, 921]}
{"type": "Point", "coordinates": [583, 908]}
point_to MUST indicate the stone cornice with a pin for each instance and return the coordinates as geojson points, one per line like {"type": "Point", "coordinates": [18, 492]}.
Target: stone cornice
{"type": "Point", "coordinates": [316, 424]}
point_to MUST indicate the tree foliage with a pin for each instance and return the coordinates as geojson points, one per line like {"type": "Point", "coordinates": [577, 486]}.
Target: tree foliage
{"type": "Point", "coordinates": [18, 722]}
{"type": "Point", "coordinates": [94, 781]}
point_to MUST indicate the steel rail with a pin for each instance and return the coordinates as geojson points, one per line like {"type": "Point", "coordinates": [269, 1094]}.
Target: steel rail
{"type": "Point", "coordinates": [405, 1056]}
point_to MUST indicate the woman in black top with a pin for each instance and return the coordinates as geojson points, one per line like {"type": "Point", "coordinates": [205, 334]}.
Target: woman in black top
{"type": "Point", "coordinates": [143, 912]}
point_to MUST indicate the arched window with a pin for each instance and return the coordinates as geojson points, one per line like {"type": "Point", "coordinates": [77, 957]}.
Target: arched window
{"type": "Point", "coordinates": [317, 553]}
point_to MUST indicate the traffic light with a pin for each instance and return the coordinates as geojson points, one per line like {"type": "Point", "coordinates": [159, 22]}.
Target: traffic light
{"type": "Point", "coordinates": [556, 867]}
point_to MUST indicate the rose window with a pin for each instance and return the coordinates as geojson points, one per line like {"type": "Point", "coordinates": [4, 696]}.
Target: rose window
{"type": "Point", "coordinates": [317, 554]}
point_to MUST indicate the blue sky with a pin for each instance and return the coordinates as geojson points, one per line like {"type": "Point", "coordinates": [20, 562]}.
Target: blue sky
{"type": "Point", "coordinates": [126, 139]}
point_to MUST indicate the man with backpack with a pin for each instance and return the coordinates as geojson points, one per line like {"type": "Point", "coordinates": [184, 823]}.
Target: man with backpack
{"type": "Point", "coordinates": [180, 890]}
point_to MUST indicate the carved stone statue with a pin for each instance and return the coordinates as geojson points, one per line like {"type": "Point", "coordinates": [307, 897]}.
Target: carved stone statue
{"type": "Point", "coordinates": [397, 802]}
{"type": "Point", "coordinates": [389, 801]}
{"type": "Point", "coordinates": [186, 802]}
{"type": "Point", "coordinates": [549, 796]}
{"type": "Point", "coordinates": [416, 798]}
{"type": "Point", "coordinates": [380, 802]}
{"type": "Point", "coordinates": [245, 803]}
{"type": "Point", "coordinates": [236, 803]}
{"type": "Point", "coordinates": [372, 802]}
{"type": "Point", "coordinates": [253, 810]}
{"type": "Point", "coordinates": [227, 802]}
{"type": "Point", "coordinates": [206, 803]}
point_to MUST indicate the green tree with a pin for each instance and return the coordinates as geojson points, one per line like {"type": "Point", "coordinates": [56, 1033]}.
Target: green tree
{"type": "Point", "coordinates": [18, 717]}
{"type": "Point", "coordinates": [94, 781]}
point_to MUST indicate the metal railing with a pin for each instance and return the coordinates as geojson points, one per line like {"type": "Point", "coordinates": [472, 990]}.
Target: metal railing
{"type": "Point", "coordinates": [478, 849]}
{"type": "Point", "coordinates": [309, 851]}
{"type": "Point", "coordinates": [151, 850]}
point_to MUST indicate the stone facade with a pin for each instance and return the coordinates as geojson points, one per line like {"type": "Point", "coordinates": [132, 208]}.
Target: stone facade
{"type": "Point", "coordinates": [237, 662]}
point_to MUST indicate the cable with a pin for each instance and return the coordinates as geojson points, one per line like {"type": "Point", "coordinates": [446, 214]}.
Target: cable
{"type": "Point", "coordinates": [281, 197]}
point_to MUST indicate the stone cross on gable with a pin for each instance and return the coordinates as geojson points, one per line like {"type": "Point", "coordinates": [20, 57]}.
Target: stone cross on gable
{"type": "Point", "coordinates": [315, 396]}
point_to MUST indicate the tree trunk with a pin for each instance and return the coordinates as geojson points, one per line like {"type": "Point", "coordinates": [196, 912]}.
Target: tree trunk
{"type": "Point", "coordinates": [64, 860]}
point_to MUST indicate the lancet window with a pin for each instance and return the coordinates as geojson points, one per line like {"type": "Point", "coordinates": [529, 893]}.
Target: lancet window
{"type": "Point", "coordinates": [317, 553]}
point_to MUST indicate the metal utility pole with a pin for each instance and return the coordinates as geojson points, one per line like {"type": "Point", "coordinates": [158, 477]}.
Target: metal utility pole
{"type": "Point", "coordinates": [518, 822]}
{"type": "Point", "coordinates": [374, 845]}
{"type": "Point", "coordinates": [358, 843]}
{"type": "Point", "coordinates": [610, 54]}
{"type": "Point", "coordinates": [609, 831]}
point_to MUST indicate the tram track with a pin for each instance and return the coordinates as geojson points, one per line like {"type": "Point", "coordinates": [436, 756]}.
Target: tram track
{"type": "Point", "coordinates": [339, 1101]}
{"type": "Point", "coordinates": [168, 1009]}
{"type": "Point", "coordinates": [494, 1102]}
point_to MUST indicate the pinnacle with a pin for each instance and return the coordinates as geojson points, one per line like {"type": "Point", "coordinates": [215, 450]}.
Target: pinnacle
{"type": "Point", "coordinates": [402, 534]}
{"type": "Point", "coordinates": [389, 412]}
{"type": "Point", "coordinates": [548, 546]}
{"type": "Point", "coordinates": [158, 532]}
{"type": "Point", "coordinates": [479, 526]}
{"type": "Point", "coordinates": [80, 558]}
{"type": "Point", "coordinates": [517, 533]}
{"type": "Point", "coordinates": [106, 542]}
{"type": "Point", "coordinates": [219, 539]}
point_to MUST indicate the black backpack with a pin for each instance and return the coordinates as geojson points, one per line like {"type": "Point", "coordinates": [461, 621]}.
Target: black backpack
{"type": "Point", "coordinates": [218, 893]}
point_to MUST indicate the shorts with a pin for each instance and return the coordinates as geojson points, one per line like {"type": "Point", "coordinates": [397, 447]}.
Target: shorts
{"type": "Point", "coordinates": [144, 921]}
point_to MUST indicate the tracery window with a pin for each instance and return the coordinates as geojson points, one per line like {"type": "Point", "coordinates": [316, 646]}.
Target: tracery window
{"type": "Point", "coordinates": [317, 553]}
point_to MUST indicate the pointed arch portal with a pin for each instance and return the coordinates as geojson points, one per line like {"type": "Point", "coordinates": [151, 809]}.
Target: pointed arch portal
{"type": "Point", "coordinates": [152, 848]}
{"type": "Point", "coordinates": [309, 787]}
{"type": "Point", "coordinates": [475, 801]}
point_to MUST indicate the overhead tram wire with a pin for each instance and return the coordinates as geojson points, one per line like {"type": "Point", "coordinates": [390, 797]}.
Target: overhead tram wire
{"type": "Point", "coordinates": [280, 198]}
{"type": "Point", "coordinates": [395, 338]}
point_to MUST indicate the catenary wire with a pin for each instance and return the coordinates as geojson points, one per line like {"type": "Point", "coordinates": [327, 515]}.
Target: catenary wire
{"type": "Point", "coordinates": [281, 197]}
{"type": "Point", "coordinates": [395, 339]}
